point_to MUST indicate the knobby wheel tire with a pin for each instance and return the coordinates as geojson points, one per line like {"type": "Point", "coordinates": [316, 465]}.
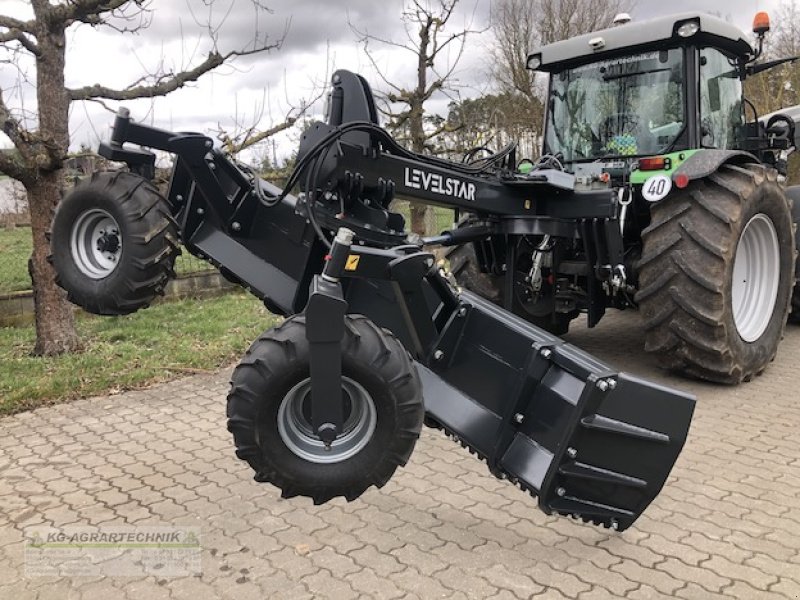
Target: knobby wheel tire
{"type": "Point", "coordinates": [113, 243]}
{"type": "Point", "coordinates": [269, 412]}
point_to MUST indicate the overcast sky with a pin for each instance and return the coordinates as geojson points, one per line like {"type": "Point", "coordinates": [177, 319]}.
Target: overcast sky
{"type": "Point", "coordinates": [317, 36]}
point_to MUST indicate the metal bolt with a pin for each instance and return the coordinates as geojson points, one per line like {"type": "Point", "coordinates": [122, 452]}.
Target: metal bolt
{"type": "Point", "coordinates": [519, 417]}
{"type": "Point", "coordinates": [546, 352]}
{"type": "Point", "coordinates": [560, 491]}
{"type": "Point", "coordinates": [438, 355]}
{"type": "Point", "coordinates": [572, 453]}
{"type": "Point", "coordinates": [178, 198]}
{"type": "Point", "coordinates": [201, 211]}
{"type": "Point", "coordinates": [209, 143]}
{"type": "Point", "coordinates": [236, 226]}
{"type": "Point", "coordinates": [602, 385]}
{"type": "Point", "coordinates": [429, 262]}
{"type": "Point", "coordinates": [614, 525]}
{"type": "Point", "coordinates": [462, 312]}
{"type": "Point", "coordinates": [612, 383]}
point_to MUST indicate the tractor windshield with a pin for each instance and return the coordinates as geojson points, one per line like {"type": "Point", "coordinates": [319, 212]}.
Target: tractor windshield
{"type": "Point", "coordinates": [630, 106]}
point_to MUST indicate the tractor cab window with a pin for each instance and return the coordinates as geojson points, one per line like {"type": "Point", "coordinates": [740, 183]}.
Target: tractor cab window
{"type": "Point", "coordinates": [629, 106]}
{"type": "Point", "coordinates": [721, 109]}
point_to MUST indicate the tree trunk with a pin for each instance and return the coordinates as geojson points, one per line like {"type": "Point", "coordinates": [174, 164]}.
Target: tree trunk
{"type": "Point", "coordinates": [422, 215]}
{"type": "Point", "coordinates": [55, 322]}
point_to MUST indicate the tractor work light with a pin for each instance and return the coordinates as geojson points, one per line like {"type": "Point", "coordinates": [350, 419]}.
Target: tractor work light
{"type": "Point", "coordinates": [534, 61]}
{"type": "Point", "coordinates": [597, 43]}
{"type": "Point", "coordinates": [688, 29]}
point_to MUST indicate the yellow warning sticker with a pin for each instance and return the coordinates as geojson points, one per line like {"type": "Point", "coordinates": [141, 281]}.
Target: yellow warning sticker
{"type": "Point", "coordinates": [352, 262]}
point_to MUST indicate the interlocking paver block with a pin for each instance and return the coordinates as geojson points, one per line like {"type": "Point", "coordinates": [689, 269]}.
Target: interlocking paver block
{"type": "Point", "coordinates": [726, 524]}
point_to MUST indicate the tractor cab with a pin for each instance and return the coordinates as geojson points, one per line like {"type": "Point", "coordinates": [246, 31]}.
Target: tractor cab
{"type": "Point", "coordinates": [660, 88]}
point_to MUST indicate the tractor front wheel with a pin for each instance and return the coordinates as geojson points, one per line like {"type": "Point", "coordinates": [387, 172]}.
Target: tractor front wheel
{"type": "Point", "coordinates": [716, 274]}
{"type": "Point", "coordinates": [269, 412]}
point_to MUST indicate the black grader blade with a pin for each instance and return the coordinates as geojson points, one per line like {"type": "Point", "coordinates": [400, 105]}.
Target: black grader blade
{"type": "Point", "coordinates": [588, 441]}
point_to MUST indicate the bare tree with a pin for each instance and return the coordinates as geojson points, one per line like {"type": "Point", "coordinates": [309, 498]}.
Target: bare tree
{"type": "Point", "coordinates": [42, 147]}
{"type": "Point", "coordinates": [248, 132]}
{"type": "Point", "coordinates": [521, 25]}
{"type": "Point", "coordinates": [436, 51]}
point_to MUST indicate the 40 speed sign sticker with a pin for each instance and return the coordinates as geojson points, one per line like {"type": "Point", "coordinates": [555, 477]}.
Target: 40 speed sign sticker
{"type": "Point", "coordinates": [656, 188]}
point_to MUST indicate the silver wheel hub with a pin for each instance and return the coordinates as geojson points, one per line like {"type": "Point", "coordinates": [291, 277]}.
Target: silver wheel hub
{"type": "Point", "coordinates": [756, 277]}
{"type": "Point", "coordinates": [95, 243]}
{"type": "Point", "coordinates": [297, 431]}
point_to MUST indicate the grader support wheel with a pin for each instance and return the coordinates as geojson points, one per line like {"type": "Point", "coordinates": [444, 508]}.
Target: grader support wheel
{"type": "Point", "coordinates": [113, 243]}
{"type": "Point", "coordinates": [269, 412]}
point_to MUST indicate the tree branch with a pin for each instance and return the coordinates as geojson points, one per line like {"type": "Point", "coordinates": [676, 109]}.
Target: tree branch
{"type": "Point", "coordinates": [12, 165]}
{"type": "Point", "coordinates": [11, 126]}
{"type": "Point", "coordinates": [167, 83]}
{"type": "Point", "coordinates": [12, 23]}
{"type": "Point", "coordinates": [233, 147]}
{"type": "Point", "coordinates": [86, 11]}
{"type": "Point", "coordinates": [161, 88]}
{"type": "Point", "coordinates": [19, 36]}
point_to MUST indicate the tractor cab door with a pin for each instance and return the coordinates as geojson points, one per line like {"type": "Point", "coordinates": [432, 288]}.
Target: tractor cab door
{"type": "Point", "coordinates": [721, 106]}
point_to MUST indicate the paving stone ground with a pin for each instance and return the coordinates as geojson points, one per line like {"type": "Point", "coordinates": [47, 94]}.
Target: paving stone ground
{"type": "Point", "coordinates": [727, 524]}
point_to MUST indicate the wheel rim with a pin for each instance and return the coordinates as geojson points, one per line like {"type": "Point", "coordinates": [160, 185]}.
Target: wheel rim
{"type": "Point", "coordinates": [297, 432]}
{"type": "Point", "coordinates": [756, 276]}
{"type": "Point", "coordinates": [95, 243]}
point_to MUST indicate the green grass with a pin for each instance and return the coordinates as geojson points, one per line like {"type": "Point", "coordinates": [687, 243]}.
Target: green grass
{"type": "Point", "coordinates": [160, 343]}
{"type": "Point", "coordinates": [15, 248]}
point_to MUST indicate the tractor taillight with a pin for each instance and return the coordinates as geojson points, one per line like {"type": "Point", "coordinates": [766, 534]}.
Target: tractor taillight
{"type": "Point", "coordinates": [654, 163]}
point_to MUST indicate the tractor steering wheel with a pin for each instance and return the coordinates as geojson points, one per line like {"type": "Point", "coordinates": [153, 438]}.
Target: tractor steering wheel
{"type": "Point", "coordinates": [619, 124]}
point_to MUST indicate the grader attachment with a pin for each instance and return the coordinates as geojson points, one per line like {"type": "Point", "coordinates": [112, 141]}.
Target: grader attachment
{"type": "Point", "coordinates": [377, 336]}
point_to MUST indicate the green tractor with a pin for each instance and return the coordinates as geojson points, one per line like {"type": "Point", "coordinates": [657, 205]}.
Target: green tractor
{"type": "Point", "coordinates": [703, 239]}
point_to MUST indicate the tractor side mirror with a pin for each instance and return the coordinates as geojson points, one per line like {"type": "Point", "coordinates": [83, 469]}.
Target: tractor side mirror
{"type": "Point", "coordinates": [761, 24]}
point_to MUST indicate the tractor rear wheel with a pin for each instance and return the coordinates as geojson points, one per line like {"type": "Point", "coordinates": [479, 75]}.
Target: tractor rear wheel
{"type": "Point", "coordinates": [113, 243]}
{"type": "Point", "coordinates": [269, 414]}
{"type": "Point", "coordinates": [716, 274]}
{"type": "Point", "coordinates": [793, 194]}
{"type": "Point", "coordinates": [540, 312]}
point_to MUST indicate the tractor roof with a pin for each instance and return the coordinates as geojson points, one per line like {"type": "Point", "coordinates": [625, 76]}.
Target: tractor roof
{"type": "Point", "coordinates": [641, 35]}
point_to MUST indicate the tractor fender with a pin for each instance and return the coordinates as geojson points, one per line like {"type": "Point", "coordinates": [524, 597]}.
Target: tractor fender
{"type": "Point", "coordinates": [705, 162]}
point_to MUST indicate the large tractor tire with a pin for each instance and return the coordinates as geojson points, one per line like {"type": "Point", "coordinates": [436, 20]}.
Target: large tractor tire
{"type": "Point", "coordinates": [793, 194]}
{"type": "Point", "coordinates": [269, 412]}
{"type": "Point", "coordinates": [716, 274]}
{"type": "Point", "coordinates": [465, 268]}
{"type": "Point", "coordinates": [113, 243]}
